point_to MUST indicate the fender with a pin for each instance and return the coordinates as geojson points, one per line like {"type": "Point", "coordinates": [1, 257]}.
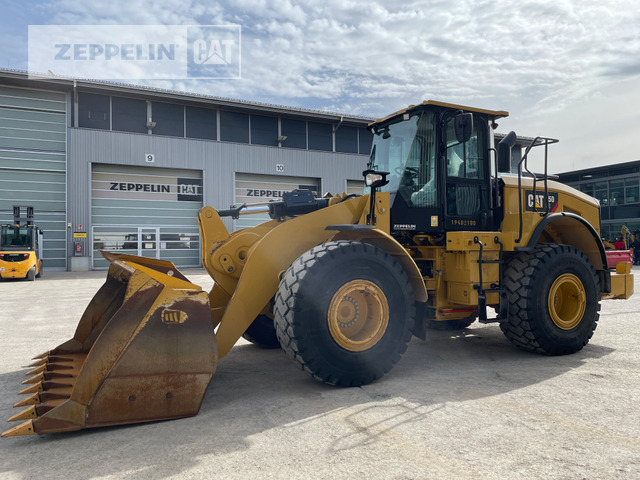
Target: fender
{"type": "Point", "coordinates": [575, 231]}
{"type": "Point", "coordinates": [384, 241]}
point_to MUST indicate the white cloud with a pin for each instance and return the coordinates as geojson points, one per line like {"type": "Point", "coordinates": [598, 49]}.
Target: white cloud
{"type": "Point", "coordinates": [538, 59]}
{"type": "Point", "coordinates": [599, 128]}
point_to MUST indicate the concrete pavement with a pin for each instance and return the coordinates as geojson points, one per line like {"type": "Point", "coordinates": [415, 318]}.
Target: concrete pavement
{"type": "Point", "coordinates": [461, 405]}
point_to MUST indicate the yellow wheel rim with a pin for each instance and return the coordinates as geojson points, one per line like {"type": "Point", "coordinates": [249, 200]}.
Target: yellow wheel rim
{"type": "Point", "coordinates": [358, 315]}
{"type": "Point", "coordinates": [567, 301]}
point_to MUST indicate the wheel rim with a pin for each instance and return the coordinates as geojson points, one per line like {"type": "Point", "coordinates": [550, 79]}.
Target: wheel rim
{"type": "Point", "coordinates": [567, 301]}
{"type": "Point", "coordinates": [358, 315]}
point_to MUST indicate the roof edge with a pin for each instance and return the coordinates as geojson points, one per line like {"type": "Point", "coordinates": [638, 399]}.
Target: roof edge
{"type": "Point", "coordinates": [179, 95]}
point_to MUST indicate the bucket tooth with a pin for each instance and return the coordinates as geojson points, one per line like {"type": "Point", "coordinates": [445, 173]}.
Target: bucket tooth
{"type": "Point", "coordinates": [42, 355]}
{"type": "Point", "coordinates": [35, 388]}
{"type": "Point", "coordinates": [30, 400]}
{"type": "Point", "coordinates": [38, 398]}
{"type": "Point", "coordinates": [25, 428]}
{"type": "Point", "coordinates": [50, 367]}
{"type": "Point", "coordinates": [37, 363]}
{"type": "Point", "coordinates": [26, 414]}
{"type": "Point", "coordinates": [46, 386]}
{"type": "Point", "coordinates": [37, 370]}
{"type": "Point", "coordinates": [48, 376]}
{"type": "Point", "coordinates": [35, 379]}
{"type": "Point", "coordinates": [50, 359]}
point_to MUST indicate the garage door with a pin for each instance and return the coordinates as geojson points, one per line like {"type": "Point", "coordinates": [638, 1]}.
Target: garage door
{"type": "Point", "coordinates": [251, 188]}
{"type": "Point", "coordinates": [355, 187]}
{"type": "Point", "coordinates": [146, 211]}
{"type": "Point", "coordinates": [33, 164]}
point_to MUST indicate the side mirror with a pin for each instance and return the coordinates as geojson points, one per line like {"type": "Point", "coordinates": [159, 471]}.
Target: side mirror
{"type": "Point", "coordinates": [504, 152]}
{"type": "Point", "coordinates": [463, 123]}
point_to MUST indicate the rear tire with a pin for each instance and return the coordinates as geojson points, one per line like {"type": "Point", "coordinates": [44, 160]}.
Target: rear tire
{"type": "Point", "coordinates": [31, 274]}
{"type": "Point", "coordinates": [344, 313]}
{"type": "Point", "coordinates": [262, 333]}
{"type": "Point", "coordinates": [554, 300]}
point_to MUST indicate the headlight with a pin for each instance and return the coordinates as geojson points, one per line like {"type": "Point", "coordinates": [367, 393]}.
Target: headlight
{"type": "Point", "coordinates": [373, 178]}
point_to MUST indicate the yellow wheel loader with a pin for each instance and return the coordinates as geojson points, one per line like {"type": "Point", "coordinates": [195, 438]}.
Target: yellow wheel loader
{"type": "Point", "coordinates": [444, 233]}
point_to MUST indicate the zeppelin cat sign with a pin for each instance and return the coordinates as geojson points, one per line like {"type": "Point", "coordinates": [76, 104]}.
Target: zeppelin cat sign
{"type": "Point", "coordinates": [130, 187]}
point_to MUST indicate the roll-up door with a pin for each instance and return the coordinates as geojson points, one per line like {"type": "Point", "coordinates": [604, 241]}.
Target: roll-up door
{"type": "Point", "coordinates": [33, 164]}
{"type": "Point", "coordinates": [253, 188]}
{"type": "Point", "coordinates": [355, 187]}
{"type": "Point", "coordinates": [146, 211]}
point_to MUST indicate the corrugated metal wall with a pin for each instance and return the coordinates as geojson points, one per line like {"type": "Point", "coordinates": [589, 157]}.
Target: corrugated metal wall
{"type": "Point", "coordinates": [32, 163]}
{"type": "Point", "coordinates": [218, 161]}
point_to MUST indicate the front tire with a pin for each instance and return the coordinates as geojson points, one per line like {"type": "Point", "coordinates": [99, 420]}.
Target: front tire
{"type": "Point", "coordinates": [554, 300]}
{"type": "Point", "coordinates": [262, 333]}
{"type": "Point", "coordinates": [344, 313]}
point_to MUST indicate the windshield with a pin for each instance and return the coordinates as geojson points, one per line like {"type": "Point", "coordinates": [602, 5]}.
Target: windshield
{"type": "Point", "coordinates": [406, 149]}
{"type": "Point", "coordinates": [15, 238]}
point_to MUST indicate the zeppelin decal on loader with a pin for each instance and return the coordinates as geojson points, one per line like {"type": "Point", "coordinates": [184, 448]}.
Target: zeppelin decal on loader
{"type": "Point", "coordinates": [341, 284]}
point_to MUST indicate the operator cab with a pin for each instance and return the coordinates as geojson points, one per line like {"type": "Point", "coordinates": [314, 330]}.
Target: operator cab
{"type": "Point", "coordinates": [439, 164]}
{"type": "Point", "coordinates": [18, 238]}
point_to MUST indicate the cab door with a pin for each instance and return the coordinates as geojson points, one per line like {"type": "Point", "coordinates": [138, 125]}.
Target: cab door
{"type": "Point", "coordinates": [467, 182]}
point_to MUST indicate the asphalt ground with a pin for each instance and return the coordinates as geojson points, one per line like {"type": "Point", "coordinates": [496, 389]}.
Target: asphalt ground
{"type": "Point", "coordinates": [460, 405]}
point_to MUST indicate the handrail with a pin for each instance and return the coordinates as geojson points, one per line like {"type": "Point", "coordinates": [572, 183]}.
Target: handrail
{"type": "Point", "coordinates": [534, 143]}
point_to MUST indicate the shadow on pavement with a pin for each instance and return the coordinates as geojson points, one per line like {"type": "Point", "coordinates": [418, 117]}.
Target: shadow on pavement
{"type": "Point", "coordinates": [257, 390]}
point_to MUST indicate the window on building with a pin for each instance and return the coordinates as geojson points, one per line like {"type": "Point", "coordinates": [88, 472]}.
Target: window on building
{"type": "Point", "coordinates": [264, 130]}
{"type": "Point", "coordinates": [632, 192]}
{"type": "Point", "coordinates": [129, 114]}
{"type": "Point", "coordinates": [587, 188]}
{"type": "Point", "coordinates": [347, 139]}
{"type": "Point", "coordinates": [624, 171]}
{"type": "Point", "coordinates": [569, 179]}
{"type": "Point", "coordinates": [320, 136]}
{"type": "Point", "coordinates": [365, 140]}
{"type": "Point", "coordinates": [616, 192]}
{"type": "Point", "coordinates": [201, 123]}
{"type": "Point", "coordinates": [600, 191]}
{"type": "Point", "coordinates": [234, 127]}
{"type": "Point", "coordinates": [169, 118]}
{"type": "Point", "coordinates": [295, 131]}
{"type": "Point", "coordinates": [93, 111]}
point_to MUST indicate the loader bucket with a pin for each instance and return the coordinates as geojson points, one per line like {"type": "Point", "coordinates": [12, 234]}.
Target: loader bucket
{"type": "Point", "coordinates": [144, 350]}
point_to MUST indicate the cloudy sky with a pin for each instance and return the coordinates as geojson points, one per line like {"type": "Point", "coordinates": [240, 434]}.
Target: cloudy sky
{"type": "Point", "coordinates": [568, 69]}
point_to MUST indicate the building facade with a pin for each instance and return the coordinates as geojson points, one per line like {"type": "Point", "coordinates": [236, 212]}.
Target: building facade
{"type": "Point", "coordinates": [617, 188]}
{"type": "Point", "coordinates": [110, 166]}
